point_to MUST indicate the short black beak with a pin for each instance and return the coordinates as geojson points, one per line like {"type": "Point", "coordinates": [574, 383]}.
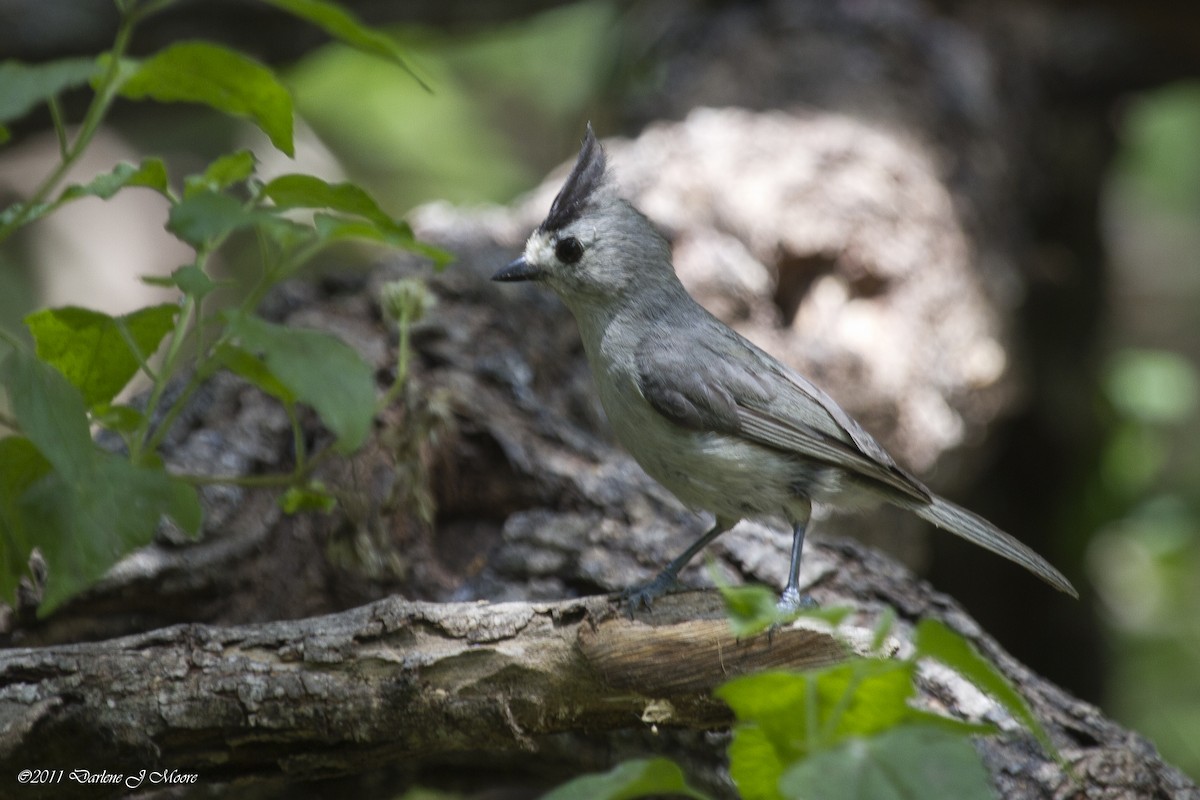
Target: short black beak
{"type": "Point", "coordinates": [518, 270]}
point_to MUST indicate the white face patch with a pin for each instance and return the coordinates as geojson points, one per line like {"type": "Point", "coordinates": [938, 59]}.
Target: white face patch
{"type": "Point", "coordinates": [539, 249]}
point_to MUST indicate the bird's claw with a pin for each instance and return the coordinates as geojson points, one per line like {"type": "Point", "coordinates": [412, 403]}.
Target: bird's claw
{"type": "Point", "coordinates": [791, 601]}
{"type": "Point", "coordinates": [638, 597]}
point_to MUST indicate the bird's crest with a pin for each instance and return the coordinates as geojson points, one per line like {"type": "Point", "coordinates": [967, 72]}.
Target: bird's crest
{"type": "Point", "coordinates": [585, 178]}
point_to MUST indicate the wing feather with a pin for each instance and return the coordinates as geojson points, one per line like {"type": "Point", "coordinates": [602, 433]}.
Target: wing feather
{"type": "Point", "coordinates": [743, 391]}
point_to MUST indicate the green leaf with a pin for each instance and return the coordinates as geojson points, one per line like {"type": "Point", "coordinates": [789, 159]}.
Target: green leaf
{"type": "Point", "coordinates": [959, 727]}
{"type": "Point", "coordinates": [84, 527]}
{"type": "Point", "coordinates": [903, 763]}
{"type": "Point", "coordinates": [117, 417]}
{"type": "Point", "coordinates": [654, 777]}
{"type": "Point", "coordinates": [151, 173]}
{"type": "Point", "coordinates": [21, 466]}
{"type": "Point", "coordinates": [313, 496]}
{"type": "Point", "coordinates": [222, 173]}
{"type": "Point", "coordinates": [755, 764]}
{"type": "Point", "coordinates": [318, 369]}
{"type": "Point", "coordinates": [773, 728]}
{"type": "Point", "coordinates": [374, 224]}
{"type": "Point", "coordinates": [205, 218]}
{"type": "Point", "coordinates": [194, 281]}
{"type": "Point", "coordinates": [306, 191]}
{"type": "Point", "coordinates": [51, 413]}
{"type": "Point", "coordinates": [859, 698]}
{"type": "Point", "coordinates": [933, 639]}
{"type": "Point", "coordinates": [882, 628]}
{"type": "Point", "coordinates": [794, 714]}
{"type": "Point", "coordinates": [199, 72]}
{"type": "Point", "coordinates": [106, 75]}
{"type": "Point", "coordinates": [339, 24]}
{"type": "Point", "coordinates": [189, 279]}
{"type": "Point", "coordinates": [91, 349]}
{"type": "Point", "coordinates": [750, 609]}
{"type": "Point", "coordinates": [251, 368]}
{"type": "Point", "coordinates": [35, 211]}
{"type": "Point", "coordinates": [288, 236]}
{"type": "Point", "coordinates": [23, 86]}
{"type": "Point", "coordinates": [335, 229]}
{"type": "Point", "coordinates": [84, 508]}
{"type": "Point", "coordinates": [863, 697]}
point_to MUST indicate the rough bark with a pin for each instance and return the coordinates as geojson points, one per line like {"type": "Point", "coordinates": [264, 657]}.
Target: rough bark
{"type": "Point", "coordinates": [427, 688]}
{"type": "Point", "coordinates": [389, 683]}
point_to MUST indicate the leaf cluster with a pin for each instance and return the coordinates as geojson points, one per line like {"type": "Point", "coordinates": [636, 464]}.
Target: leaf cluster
{"type": "Point", "coordinates": [846, 732]}
{"type": "Point", "coordinates": [83, 506]}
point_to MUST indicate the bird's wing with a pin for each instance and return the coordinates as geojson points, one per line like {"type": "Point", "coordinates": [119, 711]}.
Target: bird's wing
{"type": "Point", "coordinates": [734, 388]}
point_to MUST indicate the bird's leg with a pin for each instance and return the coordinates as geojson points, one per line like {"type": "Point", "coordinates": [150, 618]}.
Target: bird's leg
{"type": "Point", "coordinates": [665, 580]}
{"type": "Point", "coordinates": [791, 599]}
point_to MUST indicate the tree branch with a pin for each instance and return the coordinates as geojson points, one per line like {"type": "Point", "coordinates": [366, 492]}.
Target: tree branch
{"type": "Point", "coordinates": [416, 685]}
{"type": "Point", "coordinates": [391, 682]}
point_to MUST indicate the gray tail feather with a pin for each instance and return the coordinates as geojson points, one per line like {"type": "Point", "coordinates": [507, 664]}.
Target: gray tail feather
{"type": "Point", "coordinates": [978, 530]}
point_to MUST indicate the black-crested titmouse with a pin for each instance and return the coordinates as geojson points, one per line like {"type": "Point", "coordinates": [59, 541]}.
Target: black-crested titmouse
{"type": "Point", "coordinates": [726, 427]}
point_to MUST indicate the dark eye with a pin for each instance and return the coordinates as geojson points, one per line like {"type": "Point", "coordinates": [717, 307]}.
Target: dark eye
{"type": "Point", "coordinates": [568, 250]}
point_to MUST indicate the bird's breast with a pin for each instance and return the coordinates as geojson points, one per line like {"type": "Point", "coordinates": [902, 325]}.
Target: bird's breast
{"type": "Point", "coordinates": [706, 470]}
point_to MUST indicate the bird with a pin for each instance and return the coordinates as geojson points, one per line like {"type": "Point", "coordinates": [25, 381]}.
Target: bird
{"type": "Point", "coordinates": [723, 425]}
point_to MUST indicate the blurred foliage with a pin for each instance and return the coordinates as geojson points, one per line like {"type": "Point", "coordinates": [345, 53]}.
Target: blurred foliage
{"type": "Point", "coordinates": [65, 499]}
{"type": "Point", "coordinates": [502, 100]}
{"type": "Point", "coordinates": [848, 731]}
{"type": "Point", "coordinates": [1145, 562]}
{"type": "Point", "coordinates": [1161, 131]}
{"type": "Point", "coordinates": [1145, 557]}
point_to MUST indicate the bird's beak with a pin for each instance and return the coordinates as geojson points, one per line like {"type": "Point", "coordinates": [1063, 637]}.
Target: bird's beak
{"type": "Point", "coordinates": [518, 270]}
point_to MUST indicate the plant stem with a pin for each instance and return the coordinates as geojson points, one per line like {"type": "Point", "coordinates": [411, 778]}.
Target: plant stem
{"type": "Point", "coordinates": [10, 339]}
{"type": "Point", "coordinates": [811, 726]}
{"type": "Point", "coordinates": [843, 703]}
{"type": "Point", "coordinates": [132, 344]}
{"type": "Point", "coordinates": [272, 276]}
{"type": "Point", "coordinates": [60, 128]}
{"type": "Point", "coordinates": [153, 7]}
{"type": "Point", "coordinates": [403, 355]}
{"type": "Point", "coordinates": [297, 439]}
{"type": "Point", "coordinates": [275, 479]}
{"type": "Point", "coordinates": [105, 94]}
{"type": "Point", "coordinates": [164, 427]}
{"type": "Point", "coordinates": [248, 481]}
{"type": "Point", "coordinates": [143, 440]}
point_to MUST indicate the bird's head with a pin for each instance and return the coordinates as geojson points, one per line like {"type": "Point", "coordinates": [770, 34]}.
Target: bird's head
{"type": "Point", "coordinates": [593, 246]}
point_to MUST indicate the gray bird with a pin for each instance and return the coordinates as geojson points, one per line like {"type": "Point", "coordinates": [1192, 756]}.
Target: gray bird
{"type": "Point", "coordinates": [724, 426]}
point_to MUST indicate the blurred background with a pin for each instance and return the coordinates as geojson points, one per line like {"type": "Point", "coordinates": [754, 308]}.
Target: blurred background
{"type": "Point", "coordinates": [511, 91]}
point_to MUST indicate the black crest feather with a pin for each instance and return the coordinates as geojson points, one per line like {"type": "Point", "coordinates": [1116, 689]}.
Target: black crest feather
{"type": "Point", "coordinates": [585, 178]}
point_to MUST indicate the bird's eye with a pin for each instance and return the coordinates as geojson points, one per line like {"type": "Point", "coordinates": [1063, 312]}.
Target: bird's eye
{"type": "Point", "coordinates": [568, 250]}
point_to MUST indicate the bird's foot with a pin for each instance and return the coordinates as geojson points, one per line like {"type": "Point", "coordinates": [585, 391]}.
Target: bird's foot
{"type": "Point", "coordinates": [638, 597]}
{"type": "Point", "coordinates": [792, 601]}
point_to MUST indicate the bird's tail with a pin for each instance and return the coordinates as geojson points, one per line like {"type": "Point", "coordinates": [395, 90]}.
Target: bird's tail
{"type": "Point", "coordinates": [978, 530]}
